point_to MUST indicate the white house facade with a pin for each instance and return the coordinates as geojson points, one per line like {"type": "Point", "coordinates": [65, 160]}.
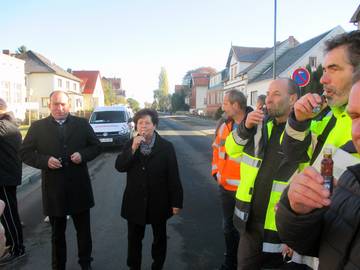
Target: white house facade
{"type": "Point", "coordinates": [12, 84]}
{"type": "Point", "coordinates": [44, 77]}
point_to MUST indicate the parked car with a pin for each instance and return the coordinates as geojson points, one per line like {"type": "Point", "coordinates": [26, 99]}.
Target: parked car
{"type": "Point", "coordinates": [113, 125]}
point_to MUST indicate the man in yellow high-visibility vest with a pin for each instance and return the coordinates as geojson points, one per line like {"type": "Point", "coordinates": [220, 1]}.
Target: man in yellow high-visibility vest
{"type": "Point", "coordinates": [264, 175]}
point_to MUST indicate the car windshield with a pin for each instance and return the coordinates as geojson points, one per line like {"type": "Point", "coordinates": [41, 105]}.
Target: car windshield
{"type": "Point", "coordinates": [107, 117]}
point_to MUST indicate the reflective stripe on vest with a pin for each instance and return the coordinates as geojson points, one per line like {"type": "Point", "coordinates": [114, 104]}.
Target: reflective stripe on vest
{"type": "Point", "coordinates": [233, 182]}
{"type": "Point", "coordinates": [238, 140]}
{"type": "Point", "coordinates": [272, 248]}
{"type": "Point", "coordinates": [297, 135]}
{"type": "Point", "coordinates": [253, 162]}
{"type": "Point", "coordinates": [241, 214]}
{"type": "Point", "coordinates": [237, 160]}
{"type": "Point", "coordinates": [222, 142]}
{"type": "Point", "coordinates": [214, 167]}
{"type": "Point", "coordinates": [222, 155]}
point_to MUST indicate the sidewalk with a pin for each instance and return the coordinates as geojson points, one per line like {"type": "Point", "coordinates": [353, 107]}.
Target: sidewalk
{"type": "Point", "coordinates": [29, 174]}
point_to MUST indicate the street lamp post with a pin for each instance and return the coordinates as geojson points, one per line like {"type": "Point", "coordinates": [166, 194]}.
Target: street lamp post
{"type": "Point", "coordinates": [274, 62]}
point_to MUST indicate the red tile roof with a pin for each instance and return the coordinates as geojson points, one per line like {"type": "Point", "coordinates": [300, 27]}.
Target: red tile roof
{"type": "Point", "coordinates": [88, 79]}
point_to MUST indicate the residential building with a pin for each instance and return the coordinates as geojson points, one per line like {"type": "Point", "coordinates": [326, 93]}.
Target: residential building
{"type": "Point", "coordinates": [310, 52]}
{"type": "Point", "coordinates": [43, 77]}
{"type": "Point", "coordinates": [215, 93]}
{"type": "Point", "coordinates": [199, 85]}
{"type": "Point", "coordinates": [355, 19]}
{"type": "Point", "coordinates": [116, 86]}
{"type": "Point", "coordinates": [239, 59]}
{"type": "Point", "coordinates": [91, 88]}
{"type": "Point", "coordinates": [12, 83]}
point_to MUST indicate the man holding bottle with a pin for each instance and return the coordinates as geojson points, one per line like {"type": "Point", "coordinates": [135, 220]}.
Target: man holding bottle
{"type": "Point", "coordinates": [316, 223]}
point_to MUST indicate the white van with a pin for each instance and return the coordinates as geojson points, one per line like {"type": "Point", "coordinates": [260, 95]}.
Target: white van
{"type": "Point", "coordinates": [113, 125]}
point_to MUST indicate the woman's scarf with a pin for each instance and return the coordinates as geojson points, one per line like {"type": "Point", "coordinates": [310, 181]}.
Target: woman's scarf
{"type": "Point", "coordinates": [145, 148]}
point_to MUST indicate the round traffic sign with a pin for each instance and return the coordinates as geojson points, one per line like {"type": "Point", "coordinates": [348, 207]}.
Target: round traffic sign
{"type": "Point", "coordinates": [301, 76]}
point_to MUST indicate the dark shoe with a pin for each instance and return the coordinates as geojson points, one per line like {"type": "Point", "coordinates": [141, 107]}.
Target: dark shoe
{"type": "Point", "coordinates": [11, 257]}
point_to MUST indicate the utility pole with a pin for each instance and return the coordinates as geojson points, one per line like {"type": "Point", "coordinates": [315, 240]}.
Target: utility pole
{"type": "Point", "coordinates": [274, 62]}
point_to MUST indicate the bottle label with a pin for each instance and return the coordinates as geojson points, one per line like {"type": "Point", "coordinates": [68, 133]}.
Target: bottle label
{"type": "Point", "coordinates": [328, 183]}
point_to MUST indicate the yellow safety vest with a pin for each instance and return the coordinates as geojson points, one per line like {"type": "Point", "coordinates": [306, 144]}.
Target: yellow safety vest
{"type": "Point", "coordinates": [249, 168]}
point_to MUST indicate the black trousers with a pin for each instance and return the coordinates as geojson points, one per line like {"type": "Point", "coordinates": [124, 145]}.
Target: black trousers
{"type": "Point", "coordinates": [250, 254]}
{"type": "Point", "coordinates": [158, 248]}
{"type": "Point", "coordinates": [11, 220]}
{"type": "Point", "coordinates": [230, 232]}
{"type": "Point", "coordinates": [83, 233]}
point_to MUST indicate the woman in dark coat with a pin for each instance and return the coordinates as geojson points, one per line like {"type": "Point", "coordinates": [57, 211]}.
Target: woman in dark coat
{"type": "Point", "coordinates": [153, 190]}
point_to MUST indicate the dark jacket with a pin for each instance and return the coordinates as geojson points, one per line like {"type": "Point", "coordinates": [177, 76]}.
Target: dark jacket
{"type": "Point", "coordinates": [332, 233]}
{"type": "Point", "coordinates": [153, 184]}
{"type": "Point", "coordinates": [66, 190]}
{"type": "Point", "coordinates": [10, 141]}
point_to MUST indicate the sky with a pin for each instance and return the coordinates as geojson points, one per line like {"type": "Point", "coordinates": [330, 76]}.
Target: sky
{"type": "Point", "coordinates": [133, 39]}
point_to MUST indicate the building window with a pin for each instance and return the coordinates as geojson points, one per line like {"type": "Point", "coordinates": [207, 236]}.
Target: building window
{"type": "Point", "coordinates": [313, 61]}
{"type": "Point", "coordinates": [67, 85]}
{"type": "Point", "coordinates": [45, 102]}
{"type": "Point", "coordinates": [74, 87]}
{"type": "Point", "coordinates": [18, 93]}
{"type": "Point", "coordinates": [254, 96]}
{"type": "Point", "coordinates": [78, 103]}
{"type": "Point", "coordinates": [60, 83]}
{"type": "Point", "coordinates": [233, 72]}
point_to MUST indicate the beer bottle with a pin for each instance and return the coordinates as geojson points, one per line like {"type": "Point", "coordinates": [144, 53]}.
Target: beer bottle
{"type": "Point", "coordinates": [327, 165]}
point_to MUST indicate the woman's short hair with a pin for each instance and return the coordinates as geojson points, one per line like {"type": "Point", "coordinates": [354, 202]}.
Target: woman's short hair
{"type": "Point", "coordinates": [144, 112]}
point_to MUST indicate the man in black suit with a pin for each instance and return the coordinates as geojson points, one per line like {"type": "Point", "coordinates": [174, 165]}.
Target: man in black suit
{"type": "Point", "coordinates": [61, 145]}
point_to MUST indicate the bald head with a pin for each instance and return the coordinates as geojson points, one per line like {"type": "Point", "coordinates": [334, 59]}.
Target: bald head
{"type": "Point", "coordinates": [281, 96]}
{"type": "Point", "coordinates": [59, 105]}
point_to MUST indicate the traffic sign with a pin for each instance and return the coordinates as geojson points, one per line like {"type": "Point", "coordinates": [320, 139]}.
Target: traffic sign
{"type": "Point", "coordinates": [301, 76]}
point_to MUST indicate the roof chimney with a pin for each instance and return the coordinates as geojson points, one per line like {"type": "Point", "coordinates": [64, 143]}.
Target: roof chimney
{"type": "Point", "coordinates": [6, 52]}
{"type": "Point", "coordinates": [292, 42]}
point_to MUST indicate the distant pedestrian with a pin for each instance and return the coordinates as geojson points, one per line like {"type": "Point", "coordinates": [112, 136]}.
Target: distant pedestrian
{"type": "Point", "coordinates": [260, 103]}
{"type": "Point", "coordinates": [226, 171]}
{"type": "Point", "coordinates": [61, 145]}
{"type": "Point", "coordinates": [153, 190]}
{"type": "Point", "coordinates": [10, 178]}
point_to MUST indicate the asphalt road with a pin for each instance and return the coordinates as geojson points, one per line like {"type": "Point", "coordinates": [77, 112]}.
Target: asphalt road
{"type": "Point", "coordinates": [195, 236]}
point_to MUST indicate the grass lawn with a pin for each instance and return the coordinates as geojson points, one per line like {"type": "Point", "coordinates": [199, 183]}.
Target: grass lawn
{"type": "Point", "coordinates": [23, 130]}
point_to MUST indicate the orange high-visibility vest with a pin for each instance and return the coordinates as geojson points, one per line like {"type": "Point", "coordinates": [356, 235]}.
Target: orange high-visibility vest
{"type": "Point", "coordinates": [227, 169]}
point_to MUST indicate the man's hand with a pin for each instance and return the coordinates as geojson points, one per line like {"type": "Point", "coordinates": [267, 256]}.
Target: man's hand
{"type": "Point", "coordinates": [286, 251]}
{"type": "Point", "coordinates": [303, 108]}
{"type": "Point", "coordinates": [54, 163]}
{"type": "Point", "coordinates": [76, 158]}
{"type": "Point", "coordinates": [175, 210]}
{"type": "Point", "coordinates": [254, 118]}
{"type": "Point", "coordinates": [306, 192]}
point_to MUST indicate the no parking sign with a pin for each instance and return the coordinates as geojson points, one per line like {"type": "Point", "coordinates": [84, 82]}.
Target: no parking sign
{"type": "Point", "coordinates": [301, 76]}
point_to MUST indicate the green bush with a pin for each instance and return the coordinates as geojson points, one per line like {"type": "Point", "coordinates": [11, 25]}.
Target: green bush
{"type": "Point", "coordinates": [219, 112]}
